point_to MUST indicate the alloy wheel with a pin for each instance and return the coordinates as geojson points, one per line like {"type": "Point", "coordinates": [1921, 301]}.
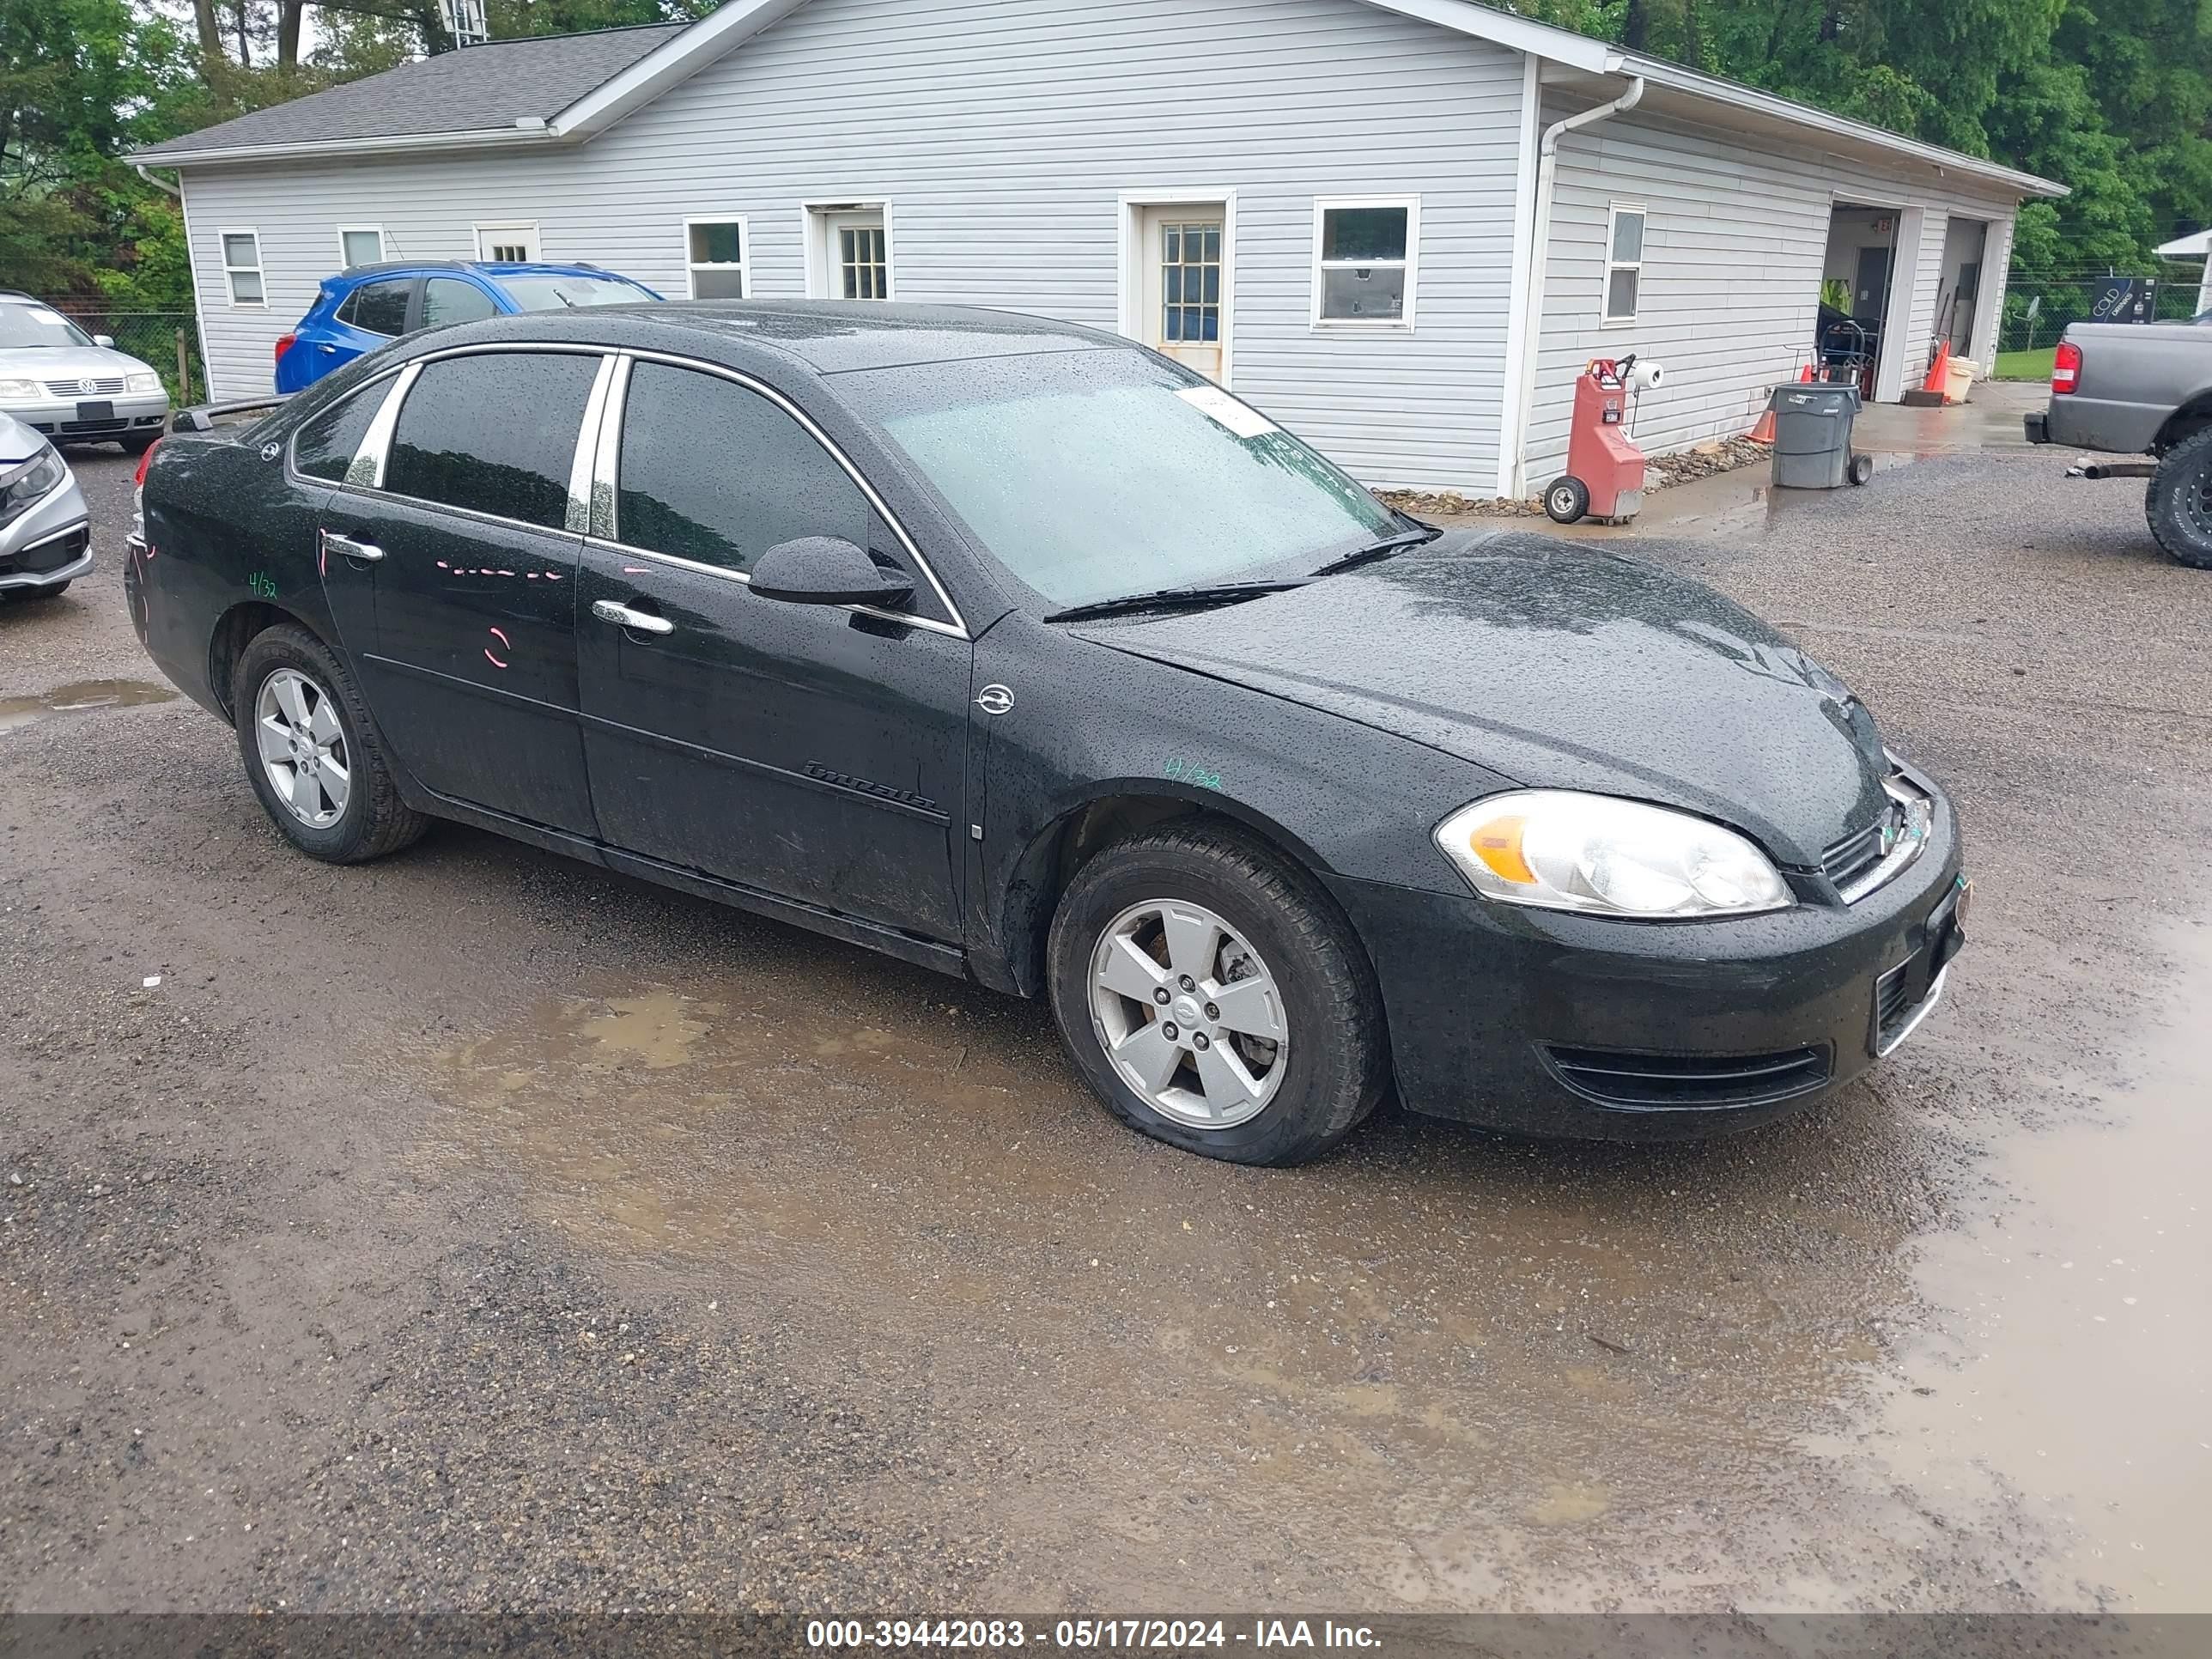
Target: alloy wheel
{"type": "Point", "coordinates": [303, 748]}
{"type": "Point", "coordinates": [1188, 1013]}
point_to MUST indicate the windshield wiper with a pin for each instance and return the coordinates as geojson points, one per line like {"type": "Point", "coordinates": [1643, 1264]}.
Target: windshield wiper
{"type": "Point", "coordinates": [1382, 550]}
{"type": "Point", "coordinates": [1173, 598]}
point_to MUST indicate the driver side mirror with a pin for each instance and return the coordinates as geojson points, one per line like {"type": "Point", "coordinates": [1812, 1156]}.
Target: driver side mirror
{"type": "Point", "coordinates": [107, 341]}
{"type": "Point", "coordinates": [827, 570]}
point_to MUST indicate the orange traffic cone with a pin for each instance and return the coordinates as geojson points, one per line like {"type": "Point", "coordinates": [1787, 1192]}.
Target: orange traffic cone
{"type": "Point", "coordinates": [1762, 431]}
{"type": "Point", "coordinates": [1939, 372]}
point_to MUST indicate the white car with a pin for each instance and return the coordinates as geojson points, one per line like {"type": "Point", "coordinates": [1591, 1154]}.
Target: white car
{"type": "Point", "coordinates": [71, 387]}
{"type": "Point", "coordinates": [46, 542]}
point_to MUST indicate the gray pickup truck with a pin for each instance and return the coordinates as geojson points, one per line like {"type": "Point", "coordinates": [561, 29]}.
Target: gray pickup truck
{"type": "Point", "coordinates": [2132, 389]}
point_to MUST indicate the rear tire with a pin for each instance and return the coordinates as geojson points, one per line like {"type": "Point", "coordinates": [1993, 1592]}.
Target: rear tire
{"type": "Point", "coordinates": [1296, 966]}
{"type": "Point", "coordinates": [2178, 503]}
{"type": "Point", "coordinates": [297, 707]}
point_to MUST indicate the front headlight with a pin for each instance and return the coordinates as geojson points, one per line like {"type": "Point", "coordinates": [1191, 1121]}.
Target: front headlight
{"type": "Point", "coordinates": [19, 390]}
{"type": "Point", "coordinates": [1561, 850]}
{"type": "Point", "coordinates": [29, 483]}
{"type": "Point", "coordinates": [143, 383]}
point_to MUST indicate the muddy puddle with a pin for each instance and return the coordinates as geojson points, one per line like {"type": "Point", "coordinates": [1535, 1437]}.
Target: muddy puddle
{"type": "Point", "coordinates": [2071, 1371]}
{"type": "Point", "coordinates": [81, 697]}
{"type": "Point", "coordinates": [1466, 1368]}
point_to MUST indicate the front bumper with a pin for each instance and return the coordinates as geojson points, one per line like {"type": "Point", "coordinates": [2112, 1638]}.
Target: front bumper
{"type": "Point", "coordinates": [1552, 1024]}
{"type": "Point", "coordinates": [130, 415]}
{"type": "Point", "coordinates": [49, 545]}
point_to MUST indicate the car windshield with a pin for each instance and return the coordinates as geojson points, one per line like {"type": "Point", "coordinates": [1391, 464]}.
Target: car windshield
{"type": "Point", "coordinates": [559, 293]}
{"type": "Point", "coordinates": [36, 325]}
{"type": "Point", "coordinates": [1093, 475]}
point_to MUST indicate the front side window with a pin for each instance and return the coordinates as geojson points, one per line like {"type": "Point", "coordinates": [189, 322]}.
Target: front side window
{"type": "Point", "coordinates": [566, 292]}
{"type": "Point", "coordinates": [1624, 261]}
{"type": "Point", "coordinates": [449, 299]}
{"type": "Point", "coordinates": [241, 267]}
{"type": "Point", "coordinates": [495, 432]}
{"type": "Point", "coordinates": [324, 445]}
{"type": "Point", "coordinates": [714, 258]}
{"type": "Point", "coordinates": [1363, 257]}
{"type": "Point", "coordinates": [1090, 475]}
{"type": "Point", "coordinates": [378, 307]}
{"type": "Point", "coordinates": [361, 246]}
{"type": "Point", "coordinates": [717, 474]}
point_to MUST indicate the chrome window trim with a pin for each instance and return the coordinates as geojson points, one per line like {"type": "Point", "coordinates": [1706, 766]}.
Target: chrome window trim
{"type": "Point", "coordinates": [292, 473]}
{"type": "Point", "coordinates": [583, 456]}
{"type": "Point", "coordinates": [606, 453]}
{"type": "Point", "coordinates": [611, 441]}
{"type": "Point", "coordinates": [904, 618]}
{"type": "Point", "coordinates": [366, 471]}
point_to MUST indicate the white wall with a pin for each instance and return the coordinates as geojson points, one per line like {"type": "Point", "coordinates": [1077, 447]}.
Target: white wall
{"type": "Point", "coordinates": [1002, 133]}
{"type": "Point", "coordinates": [1735, 245]}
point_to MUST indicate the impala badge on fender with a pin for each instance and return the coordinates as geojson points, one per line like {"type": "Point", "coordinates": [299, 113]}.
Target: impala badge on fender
{"type": "Point", "coordinates": [994, 699]}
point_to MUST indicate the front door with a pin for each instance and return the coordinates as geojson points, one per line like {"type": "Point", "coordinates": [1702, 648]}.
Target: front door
{"type": "Point", "coordinates": [1183, 302]}
{"type": "Point", "coordinates": [813, 752]}
{"type": "Point", "coordinates": [515, 242]}
{"type": "Point", "coordinates": [1872, 292]}
{"type": "Point", "coordinates": [462, 555]}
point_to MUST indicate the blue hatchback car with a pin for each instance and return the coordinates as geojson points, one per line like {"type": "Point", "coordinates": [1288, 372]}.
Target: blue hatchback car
{"type": "Point", "coordinates": [362, 308]}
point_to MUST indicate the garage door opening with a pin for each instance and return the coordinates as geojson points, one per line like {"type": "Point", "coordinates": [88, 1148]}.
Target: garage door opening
{"type": "Point", "coordinates": [1959, 315]}
{"type": "Point", "coordinates": [1856, 283]}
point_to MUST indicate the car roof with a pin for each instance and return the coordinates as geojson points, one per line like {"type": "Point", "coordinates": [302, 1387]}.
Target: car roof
{"type": "Point", "coordinates": [830, 337]}
{"type": "Point", "coordinates": [482, 267]}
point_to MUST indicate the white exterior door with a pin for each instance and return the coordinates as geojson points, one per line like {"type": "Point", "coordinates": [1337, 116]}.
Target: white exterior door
{"type": "Point", "coordinates": [1182, 300]}
{"type": "Point", "coordinates": [516, 242]}
{"type": "Point", "coordinates": [860, 255]}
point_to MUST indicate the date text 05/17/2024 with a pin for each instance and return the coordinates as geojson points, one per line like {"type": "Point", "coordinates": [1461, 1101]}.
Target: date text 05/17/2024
{"type": "Point", "coordinates": [1168, 1634]}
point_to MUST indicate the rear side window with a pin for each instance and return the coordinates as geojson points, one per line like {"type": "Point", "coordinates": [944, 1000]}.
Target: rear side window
{"type": "Point", "coordinates": [326, 445]}
{"type": "Point", "coordinates": [494, 433]}
{"type": "Point", "coordinates": [713, 472]}
{"type": "Point", "coordinates": [449, 299]}
{"type": "Point", "coordinates": [378, 307]}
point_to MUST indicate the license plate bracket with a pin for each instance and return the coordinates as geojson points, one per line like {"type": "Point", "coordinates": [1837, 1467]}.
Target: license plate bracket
{"type": "Point", "coordinates": [98, 411]}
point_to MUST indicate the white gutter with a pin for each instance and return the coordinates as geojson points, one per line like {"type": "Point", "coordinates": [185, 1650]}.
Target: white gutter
{"type": "Point", "coordinates": [397, 143]}
{"type": "Point", "coordinates": [1531, 295]}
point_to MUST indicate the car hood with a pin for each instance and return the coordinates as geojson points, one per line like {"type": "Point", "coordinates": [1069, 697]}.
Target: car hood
{"type": "Point", "coordinates": [1556, 665]}
{"type": "Point", "coordinates": [43, 363]}
{"type": "Point", "coordinates": [17, 442]}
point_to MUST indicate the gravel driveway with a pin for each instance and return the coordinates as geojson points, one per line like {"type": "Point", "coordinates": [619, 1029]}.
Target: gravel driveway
{"type": "Point", "coordinates": [478, 1228]}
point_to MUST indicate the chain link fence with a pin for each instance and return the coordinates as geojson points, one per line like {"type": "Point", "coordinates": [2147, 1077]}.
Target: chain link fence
{"type": "Point", "coordinates": [2036, 309]}
{"type": "Point", "coordinates": [165, 341]}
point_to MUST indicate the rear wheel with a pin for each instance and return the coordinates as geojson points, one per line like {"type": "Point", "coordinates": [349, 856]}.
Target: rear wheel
{"type": "Point", "coordinates": [1215, 999]}
{"type": "Point", "coordinates": [311, 752]}
{"type": "Point", "coordinates": [2178, 503]}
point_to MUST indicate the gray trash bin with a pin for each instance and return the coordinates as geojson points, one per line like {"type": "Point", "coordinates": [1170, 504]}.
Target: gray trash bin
{"type": "Point", "coordinates": [1813, 435]}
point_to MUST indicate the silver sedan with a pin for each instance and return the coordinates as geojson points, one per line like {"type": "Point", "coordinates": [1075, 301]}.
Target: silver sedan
{"type": "Point", "coordinates": [71, 387]}
{"type": "Point", "coordinates": [46, 542]}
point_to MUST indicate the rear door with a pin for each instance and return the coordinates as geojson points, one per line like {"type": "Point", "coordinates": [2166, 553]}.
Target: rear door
{"type": "Point", "coordinates": [373, 314]}
{"type": "Point", "coordinates": [460, 534]}
{"type": "Point", "coordinates": [815, 752]}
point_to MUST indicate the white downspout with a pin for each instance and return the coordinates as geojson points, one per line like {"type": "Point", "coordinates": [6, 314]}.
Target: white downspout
{"type": "Point", "coordinates": [158, 184]}
{"type": "Point", "coordinates": [1532, 287]}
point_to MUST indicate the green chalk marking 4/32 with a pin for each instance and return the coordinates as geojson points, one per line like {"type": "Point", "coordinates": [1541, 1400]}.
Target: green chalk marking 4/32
{"type": "Point", "coordinates": [259, 582]}
{"type": "Point", "coordinates": [1183, 771]}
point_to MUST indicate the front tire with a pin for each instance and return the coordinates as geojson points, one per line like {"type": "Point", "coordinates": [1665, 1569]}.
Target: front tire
{"type": "Point", "coordinates": [139, 442]}
{"type": "Point", "coordinates": [30, 595]}
{"type": "Point", "coordinates": [2178, 503]}
{"type": "Point", "coordinates": [311, 752]}
{"type": "Point", "coordinates": [1214, 998]}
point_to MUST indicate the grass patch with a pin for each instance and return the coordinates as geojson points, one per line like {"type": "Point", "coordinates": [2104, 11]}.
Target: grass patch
{"type": "Point", "coordinates": [2025, 365]}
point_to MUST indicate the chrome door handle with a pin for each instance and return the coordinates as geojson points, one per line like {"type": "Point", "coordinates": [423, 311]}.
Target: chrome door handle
{"type": "Point", "coordinates": [366, 552]}
{"type": "Point", "coordinates": [622, 616]}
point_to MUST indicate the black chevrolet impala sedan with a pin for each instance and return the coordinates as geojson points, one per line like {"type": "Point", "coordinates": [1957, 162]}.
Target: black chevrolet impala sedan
{"type": "Point", "coordinates": [1010, 648]}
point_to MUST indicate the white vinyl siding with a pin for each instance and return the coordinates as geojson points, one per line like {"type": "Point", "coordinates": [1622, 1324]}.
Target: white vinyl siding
{"type": "Point", "coordinates": [1736, 236]}
{"type": "Point", "coordinates": [1007, 133]}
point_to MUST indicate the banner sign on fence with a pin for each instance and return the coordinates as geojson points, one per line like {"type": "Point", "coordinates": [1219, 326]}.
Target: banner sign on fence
{"type": "Point", "coordinates": [2121, 300]}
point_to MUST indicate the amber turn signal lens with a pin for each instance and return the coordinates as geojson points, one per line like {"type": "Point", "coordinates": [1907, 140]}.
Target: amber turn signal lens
{"type": "Point", "coordinates": [1498, 844]}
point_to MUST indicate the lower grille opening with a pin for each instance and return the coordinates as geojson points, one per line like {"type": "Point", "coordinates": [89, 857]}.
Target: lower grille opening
{"type": "Point", "coordinates": [52, 554]}
{"type": "Point", "coordinates": [1617, 1077]}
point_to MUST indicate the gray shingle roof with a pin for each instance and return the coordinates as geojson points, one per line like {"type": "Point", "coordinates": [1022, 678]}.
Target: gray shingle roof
{"type": "Point", "coordinates": [489, 85]}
